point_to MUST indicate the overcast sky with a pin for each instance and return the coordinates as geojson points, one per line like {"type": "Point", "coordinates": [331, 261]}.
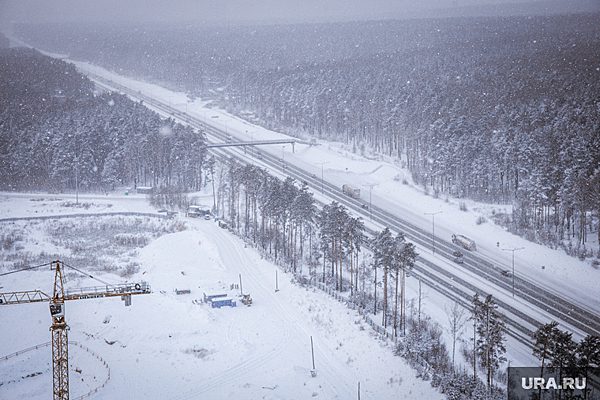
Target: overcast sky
{"type": "Point", "coordinates": [259, 11]}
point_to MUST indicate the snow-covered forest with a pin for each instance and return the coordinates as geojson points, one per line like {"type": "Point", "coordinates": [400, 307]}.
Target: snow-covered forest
{"type": "Point", "coordinates": [494, 109]}
{"type": "Point", "coordinates": [56, 129]}
{"type": "Point", "coordinates": [501, 110]}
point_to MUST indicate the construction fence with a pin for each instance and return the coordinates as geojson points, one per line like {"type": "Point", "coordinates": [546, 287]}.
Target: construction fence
{"type": "Point", "coordinates": [71, 343]}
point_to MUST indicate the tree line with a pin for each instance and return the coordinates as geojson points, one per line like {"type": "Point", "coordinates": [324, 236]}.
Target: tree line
{"type": "Point", "coordinates": [325, 244]}
{"type": "Point", "coordinates": [494, 109]}
{"type": "Point", "coordinates": [282, 218]}
{"type": "Point", "coordinates": [58, 132]}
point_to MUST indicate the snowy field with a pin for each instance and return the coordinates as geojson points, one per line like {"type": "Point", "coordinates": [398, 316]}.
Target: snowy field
{"type": "Point", "coordinates": [19, 205]}
{"type": "Point", "coordinates": [168, 346]}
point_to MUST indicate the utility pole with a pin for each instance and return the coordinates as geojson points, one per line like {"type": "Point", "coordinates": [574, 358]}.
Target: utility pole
{"type": "Point", "coordinates": [241, 291]}
{"type": "Point", "coordinates": [276, 282]}
{"type": "Point", "coordinates": [313, 372]}
{"type": "Point", "coordinates": [282, 158]}
{"type": "Point", "coordinates": [513, 266]}
{"type": "Point", "coordinates": [76, 167]}
{"type": "Point", "coordinates": [212, 179]}
{"type": "Point", "coordinates": [322, 177]}
{"type": "Point", "coordinates": [359, 390]}
{"type": "Point", "coordinates": [77, 180]}
{"type": "Point", "coordinates": [474, 347]}
{"type": "Point", "coordinates": [371, 186]}
{"type": "Point", "coordinates": [433, 214]}
{"type": "Point", "coordinates": [419, 316]}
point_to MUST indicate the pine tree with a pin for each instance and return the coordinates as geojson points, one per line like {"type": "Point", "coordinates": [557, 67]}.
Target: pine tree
{"type": "Point", "coordinates": [588, 356]}
{"type": "Point", "coordinates": [588, 352]}
{"type": "Point", "coordinates": [490, 336]}
{"type": "Point", "coordinates": [383, 257]}
{"type": "Point", "coordinates": [545, 341]}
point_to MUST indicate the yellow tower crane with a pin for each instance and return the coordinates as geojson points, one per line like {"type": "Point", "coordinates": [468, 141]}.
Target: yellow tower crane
{"type": "Point", "coordinates": [59, 328]}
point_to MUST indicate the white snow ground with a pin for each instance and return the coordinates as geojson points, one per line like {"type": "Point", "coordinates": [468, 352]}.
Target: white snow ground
{"type": "Point", "coordinates": [166, 347]}
{"type": "Point", "coordinates": [19, 205]}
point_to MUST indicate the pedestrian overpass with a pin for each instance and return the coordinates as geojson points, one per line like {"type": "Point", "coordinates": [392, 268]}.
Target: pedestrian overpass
{"type": "Point", "coordinates": [260, 143]}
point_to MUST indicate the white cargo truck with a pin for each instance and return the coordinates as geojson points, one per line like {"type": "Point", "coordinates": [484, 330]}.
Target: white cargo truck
{"type": "Point", "coordinates": [350, 191]}
{"type": "Point", "coordinates": [464, 242]}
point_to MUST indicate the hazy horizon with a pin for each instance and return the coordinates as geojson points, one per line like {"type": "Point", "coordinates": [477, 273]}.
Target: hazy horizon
{"type": "Point", "coordinates": [234, 12]}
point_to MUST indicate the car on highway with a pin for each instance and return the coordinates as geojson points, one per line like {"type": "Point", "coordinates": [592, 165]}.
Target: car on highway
{"type": "Point", "coordinates": [505, 272]}
{"type": "Point", "coordinates": [364, 206]}
{"type": "Point", "coordinates": [458, 257]}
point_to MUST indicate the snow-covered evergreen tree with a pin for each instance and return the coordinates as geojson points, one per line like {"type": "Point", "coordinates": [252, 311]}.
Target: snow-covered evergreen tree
{"type": "Point", "coordinates": [490, 329]}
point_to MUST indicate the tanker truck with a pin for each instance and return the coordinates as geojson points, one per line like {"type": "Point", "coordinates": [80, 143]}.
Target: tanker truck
{"type": "Point", "coordinates": [351, 192]}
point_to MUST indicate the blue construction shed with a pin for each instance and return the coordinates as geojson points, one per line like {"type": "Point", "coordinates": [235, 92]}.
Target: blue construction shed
{"type": "Point", "coordinates": [218, 302]}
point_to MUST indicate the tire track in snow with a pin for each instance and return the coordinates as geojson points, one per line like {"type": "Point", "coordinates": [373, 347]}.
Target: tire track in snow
{"type": "Point", "coordinates": [251, 363]}
{"type": "Point", "coordinates": [330, 370]}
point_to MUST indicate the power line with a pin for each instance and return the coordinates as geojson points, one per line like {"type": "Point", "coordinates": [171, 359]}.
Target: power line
{"type": "Point", "coordinates": [85, 274]}
{"type": "Point", "coordinates": [25, 269]}
{"type": "Point", "coordinates": [47, 264]}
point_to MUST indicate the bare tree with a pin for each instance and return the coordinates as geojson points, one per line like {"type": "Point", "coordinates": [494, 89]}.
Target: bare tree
{"type": "Point", "coordinates": [457, 317]}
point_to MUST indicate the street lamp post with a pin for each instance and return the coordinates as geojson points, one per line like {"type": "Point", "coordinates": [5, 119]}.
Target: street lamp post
{"type": "Point", "coordinates": [76, 167]}
{"type": "Point", "coordinates": [371, 186]}
{"type": "Point", "coordinates": [433, 214]}
{"type": "Point", "coordinates": [513, 266]}
{"type": "Point", "coordinates": [77, 179]}
{"type": "Point", "coordinates": [322, 177]}
{"type": "Point", "coordinates": [283, 159]}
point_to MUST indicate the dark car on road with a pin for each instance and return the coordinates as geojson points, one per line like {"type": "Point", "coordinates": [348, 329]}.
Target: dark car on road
{"type": "Point", "coordinates": [458, 257]}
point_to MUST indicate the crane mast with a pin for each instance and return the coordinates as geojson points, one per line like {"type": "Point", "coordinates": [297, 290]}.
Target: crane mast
{"type": "Point", "coordinates": [60, 341]}
{"type": "Point", "coordinates": [59, 328]}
